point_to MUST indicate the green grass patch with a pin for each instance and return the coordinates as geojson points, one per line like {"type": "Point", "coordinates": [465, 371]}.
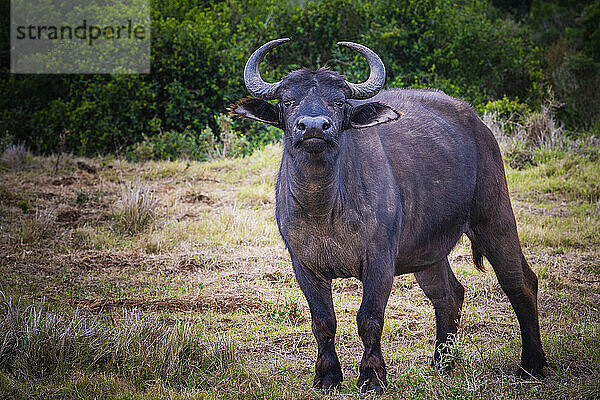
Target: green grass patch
{"type": "Point", "coordinates": [139, 348]}
{"type": "Point", "coordinates": [565, 176]}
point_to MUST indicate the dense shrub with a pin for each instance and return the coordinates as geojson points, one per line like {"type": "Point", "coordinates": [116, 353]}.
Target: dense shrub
{"type": "Point", "coordinates": [461, 48]}
{"type": "Point", "coordinates": [171, 145]}
{"type": "Point", "coordinates": [511, 112]}
{"type": "Point", "coordinates": [191, 145]}
{"type": "Point", "coordinates": [569, 32]}
{"type": "Point", "coordinates": [468, 49]}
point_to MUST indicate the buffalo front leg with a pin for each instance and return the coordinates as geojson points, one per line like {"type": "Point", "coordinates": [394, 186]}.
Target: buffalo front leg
{"type": "Point", "coordinates": [447, 294]}
{"type": "Point", "coordinates": [377, 281]}
{"type": "Point", "coordinates": [328, 373]}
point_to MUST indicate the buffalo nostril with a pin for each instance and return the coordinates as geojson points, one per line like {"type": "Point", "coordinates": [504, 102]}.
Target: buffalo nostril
{"type": "Point", "coordinates": [301, 126]}
{"type": "Point", "coordinates": [326, 125]}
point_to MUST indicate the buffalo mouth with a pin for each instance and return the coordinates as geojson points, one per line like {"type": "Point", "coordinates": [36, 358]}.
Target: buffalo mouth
{"type": "Point", "coordinates": [314, 143]}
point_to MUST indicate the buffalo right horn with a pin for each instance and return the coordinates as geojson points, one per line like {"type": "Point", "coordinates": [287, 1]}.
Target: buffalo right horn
{"type": "Point", "coordinates": [374, 83]}
{"type": "Point", "coordinates": [254, 82]}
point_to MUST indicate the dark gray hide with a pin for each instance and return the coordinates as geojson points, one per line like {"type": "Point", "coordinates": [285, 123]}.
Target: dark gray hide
{"type": "Point", "coordinates": [386, 186]}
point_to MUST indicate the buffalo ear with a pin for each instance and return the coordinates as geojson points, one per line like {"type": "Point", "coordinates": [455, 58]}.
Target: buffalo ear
{"type": "Point", "coordinates": [370, 114]}
{"type": "Point", "coordinates": [258, 110]}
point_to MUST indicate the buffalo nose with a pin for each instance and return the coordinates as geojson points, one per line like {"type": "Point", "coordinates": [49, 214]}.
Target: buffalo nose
{"type": "Point", "coordinates": [306, 124]}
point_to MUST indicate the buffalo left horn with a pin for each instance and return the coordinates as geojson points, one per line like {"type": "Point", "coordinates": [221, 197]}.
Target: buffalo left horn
{"type": "Point", "coordinates": [371, 86]}
{"type": "Point", "coordinates": [252, 79]}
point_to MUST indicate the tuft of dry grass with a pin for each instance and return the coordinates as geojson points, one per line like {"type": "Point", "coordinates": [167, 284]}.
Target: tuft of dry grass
{"type": "Point", "coordinates": [37, 227]}
{"type": "Point", "coordinates": [498, 126]}
{"type": "Point", "coordinates": [541, 129]}
{"type": "Point", "coordinates": [141, 348]}
{"type": "Point", "coordinates": [137, 207]}
{"type": "Point", "coordinates": [15, 156]}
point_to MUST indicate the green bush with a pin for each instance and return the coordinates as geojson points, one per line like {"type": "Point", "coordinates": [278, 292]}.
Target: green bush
{"type": "Point", "coordinates": [576, 80]}
{"type": "Point", "coordinates": [172, 145]}
{"type": "Point", "coordinates": [512, 112]}
{"type": "Point", "coordinates": [468, 49]}
{"type": "Point", "coordinates": [569, 33]}
{"type": "Point", "coordinates": [507, 108]}
{"type": "Point", "coordinates": [141, 151]}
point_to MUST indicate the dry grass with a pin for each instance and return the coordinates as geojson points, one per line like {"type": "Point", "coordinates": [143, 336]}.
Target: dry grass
{"type": "Point", "coordinates": [38, 343]}
{"type": "Point", "coordinates": [498, 126]}
{"type": "Point", "coordinates": [541, 128]}
{"type": "Point", "coordinates": [37, 227]}
{"type": "Point", "coordinates": [519, 136]}
{"type": "Point", "coordinates": [137, 207]}
{"type": "Point", "coordinates": [15, 156]}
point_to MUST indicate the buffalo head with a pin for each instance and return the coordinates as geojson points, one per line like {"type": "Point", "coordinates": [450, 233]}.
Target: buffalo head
{"type": "Point", "coordinates": [313, 108]}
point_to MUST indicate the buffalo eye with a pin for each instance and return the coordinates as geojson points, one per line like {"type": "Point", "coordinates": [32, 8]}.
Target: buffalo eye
{"type": "Point", "coordinates": [339, 103]}
{"type": "Point", "coordinates": [287, 103]}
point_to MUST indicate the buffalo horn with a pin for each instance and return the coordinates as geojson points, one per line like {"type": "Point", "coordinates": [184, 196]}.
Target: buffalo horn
{"type": "Point", "coordinates": [254, 82]}
{"type": "Point", "coordinates": [371, 86]}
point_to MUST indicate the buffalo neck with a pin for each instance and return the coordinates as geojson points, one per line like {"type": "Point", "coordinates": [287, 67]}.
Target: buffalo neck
{"type": "Point", "coordinates": [313, 184]}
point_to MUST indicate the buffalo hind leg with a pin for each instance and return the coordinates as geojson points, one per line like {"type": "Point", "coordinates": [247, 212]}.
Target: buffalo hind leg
{"type": "Point", "coordinates": [447, 294]}
{"type": "Point", "coordinates": [499, 243]}
{"type": "Point", "coordinates": [378, 278]}
{"type": "Point", "coordinates": [328, 372]}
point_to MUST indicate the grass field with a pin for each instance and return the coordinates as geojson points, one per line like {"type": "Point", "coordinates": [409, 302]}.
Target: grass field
{"type": "Point", "coordinates": [169, 280]}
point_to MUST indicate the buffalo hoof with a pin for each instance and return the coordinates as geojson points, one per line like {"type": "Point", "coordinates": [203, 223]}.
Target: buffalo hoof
{"type": "Point", "coordinates": [367, 387]}
{"type": "Point", "coordinates": [372, 377]}
{"type": "Point", "coordinates": [327, 381]}
{"type": "Point", "coordinates": [371, 383]}
{"type": "Point", "coordinates": [531, 372]}
{"type": "Point", "coordinates": [532, 368]}
{"type": "Point", "coordinates": [530, 375]}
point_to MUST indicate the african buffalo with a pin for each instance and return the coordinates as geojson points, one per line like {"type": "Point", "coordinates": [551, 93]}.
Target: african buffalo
{"type": "Point", "coordinates": [382, 187]}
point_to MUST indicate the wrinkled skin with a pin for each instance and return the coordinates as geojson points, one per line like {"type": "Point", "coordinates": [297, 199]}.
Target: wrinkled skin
{"type": "Point", "coordinates": [386, 186]}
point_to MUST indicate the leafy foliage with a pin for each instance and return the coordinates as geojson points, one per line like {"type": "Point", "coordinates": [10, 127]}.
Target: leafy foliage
{"type": "Point", "coordinates": [568, 31]}
{"type": "Point", "coordinates": [468, 49]}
